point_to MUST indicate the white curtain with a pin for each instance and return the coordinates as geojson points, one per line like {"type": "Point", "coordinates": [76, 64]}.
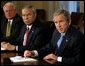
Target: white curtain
{"type": "Point", "coordinates": [71, 6]}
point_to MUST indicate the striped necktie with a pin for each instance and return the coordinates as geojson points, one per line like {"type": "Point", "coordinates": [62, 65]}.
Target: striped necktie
{"type": "Point", "coordinates": [8, 29]}
{"type": "Point", "coordinates": [60, 40]}
{"type": "Point", "coordinates": [25, 37]}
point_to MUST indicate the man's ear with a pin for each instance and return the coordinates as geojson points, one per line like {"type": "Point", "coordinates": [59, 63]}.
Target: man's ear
{"type": "Point", "coordinates": [70, 22]}
{"type": "Point", "coordinates": [35, 14]}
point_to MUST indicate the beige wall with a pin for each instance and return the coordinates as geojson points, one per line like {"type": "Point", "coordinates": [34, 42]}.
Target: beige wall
{"type": "Point", "coordinates": [49, 6]}
{"type": "Point", "coordinates": [36, 4]}
{"type": "Point", "coordinates": [82, 6]}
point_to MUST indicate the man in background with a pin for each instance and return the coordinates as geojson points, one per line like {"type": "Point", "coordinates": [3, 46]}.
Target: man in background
{"type": "Point", "coordinates": [11, 24]}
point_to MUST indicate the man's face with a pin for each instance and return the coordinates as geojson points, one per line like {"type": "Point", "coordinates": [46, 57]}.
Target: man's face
{"type": "Point", "coordinates": [28, 16]}
{"type": "Point", "coordinates": [9, 11]}
{"type": "Point", "coordinates": [61, 23]}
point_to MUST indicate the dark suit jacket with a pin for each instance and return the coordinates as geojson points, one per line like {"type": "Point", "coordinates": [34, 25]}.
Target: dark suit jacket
{"type": "Point", "coordinates": [69, 49]}
{"type": "Point", "coordinates": [1, 35]}
{"type": "Point", "coordinates": [15, 31]}
{"type": "Point", "coordinates": [37, 37]}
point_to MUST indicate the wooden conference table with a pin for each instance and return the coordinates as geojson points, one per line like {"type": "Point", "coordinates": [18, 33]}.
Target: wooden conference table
{"type": "Point", "coordinates": [6, 61]}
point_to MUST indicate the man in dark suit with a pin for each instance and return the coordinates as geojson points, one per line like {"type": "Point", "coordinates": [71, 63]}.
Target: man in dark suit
{"type": "Point", "coordinates": [66, 51]}
{"type": "Point", "coordinates": [33, 34]}
{"type": "Point", "coordinates": [15, 21]}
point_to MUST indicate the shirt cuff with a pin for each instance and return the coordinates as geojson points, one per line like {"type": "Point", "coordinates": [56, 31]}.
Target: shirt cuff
{"type": "Point", "coordinates": [36, 53]}
{"type": "Point", "coordinates": [16, 48]}
{"type": "Point", "coordinates": [59, 59]}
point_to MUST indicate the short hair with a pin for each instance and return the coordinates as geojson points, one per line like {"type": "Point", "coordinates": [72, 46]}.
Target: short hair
{"type": "Point", "coordinates": [64, 12]}
{"type": "Point", "coordinates": [10, 3]}
{"type": "Point", "coordinates": [29, 7]}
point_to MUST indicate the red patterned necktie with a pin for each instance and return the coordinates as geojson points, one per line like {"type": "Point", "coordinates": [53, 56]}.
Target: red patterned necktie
{"type": "Point", "coordinates": [25, 37]}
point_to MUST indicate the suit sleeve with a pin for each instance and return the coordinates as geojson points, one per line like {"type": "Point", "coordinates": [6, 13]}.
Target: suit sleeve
{"type": "Point", "coordinates": [49, 48]}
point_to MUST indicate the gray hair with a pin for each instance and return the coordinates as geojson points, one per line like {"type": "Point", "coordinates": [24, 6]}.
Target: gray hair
{"type": "Point", "coordinates": [29, 7]}
{"type": "Point", "coordinates": [64, 12]}
{"type": "Point", "coordinates": [9, 3]}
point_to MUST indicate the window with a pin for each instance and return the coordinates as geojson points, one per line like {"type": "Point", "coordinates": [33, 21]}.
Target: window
{"type": "Point", "coordinates": [71, 6]}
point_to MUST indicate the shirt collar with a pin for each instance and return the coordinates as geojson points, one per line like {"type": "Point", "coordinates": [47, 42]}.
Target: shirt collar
{"type": "Point", "coordinates": [11, 20]}
{"type": "Point", "coordinates": [63, 34]}
{"type": "Point", "coordinates": [29, 26]}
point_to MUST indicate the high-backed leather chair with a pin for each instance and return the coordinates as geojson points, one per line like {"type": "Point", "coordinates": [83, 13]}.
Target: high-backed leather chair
{"type": "Point", "coordinates": [76, 17]}
{"type": "Point", "coordinates": [41, 14]}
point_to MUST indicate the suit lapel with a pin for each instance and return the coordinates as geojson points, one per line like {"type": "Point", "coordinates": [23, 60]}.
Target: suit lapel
{"type": "Point", "coordinates": [13, 25]}
{"type": "Point", "coordinates": [56, 38]}
{"type": "Point", "coordinates": [22, 33]}
{"type": "Point", "coordinates": [5, 25]}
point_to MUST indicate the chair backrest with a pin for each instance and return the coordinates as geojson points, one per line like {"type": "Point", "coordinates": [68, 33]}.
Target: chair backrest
{"type": "Point", "coordinates": [41, 14]}
{"type": "Point", "coordinates": [76, 17]}
{"type": "Point", "coordinates": [50, 27]}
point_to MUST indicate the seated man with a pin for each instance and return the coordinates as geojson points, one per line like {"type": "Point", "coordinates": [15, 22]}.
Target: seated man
{"type": "Point", "coordinates": [33, 34]}
{"type": "Point", "coordinates": [11, 24]}
{"type": "Point", "coordinates": [64, 47]}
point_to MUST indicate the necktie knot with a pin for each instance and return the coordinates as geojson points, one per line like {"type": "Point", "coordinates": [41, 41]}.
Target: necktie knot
{"type": "Point", "coordinates": [27, 27]}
